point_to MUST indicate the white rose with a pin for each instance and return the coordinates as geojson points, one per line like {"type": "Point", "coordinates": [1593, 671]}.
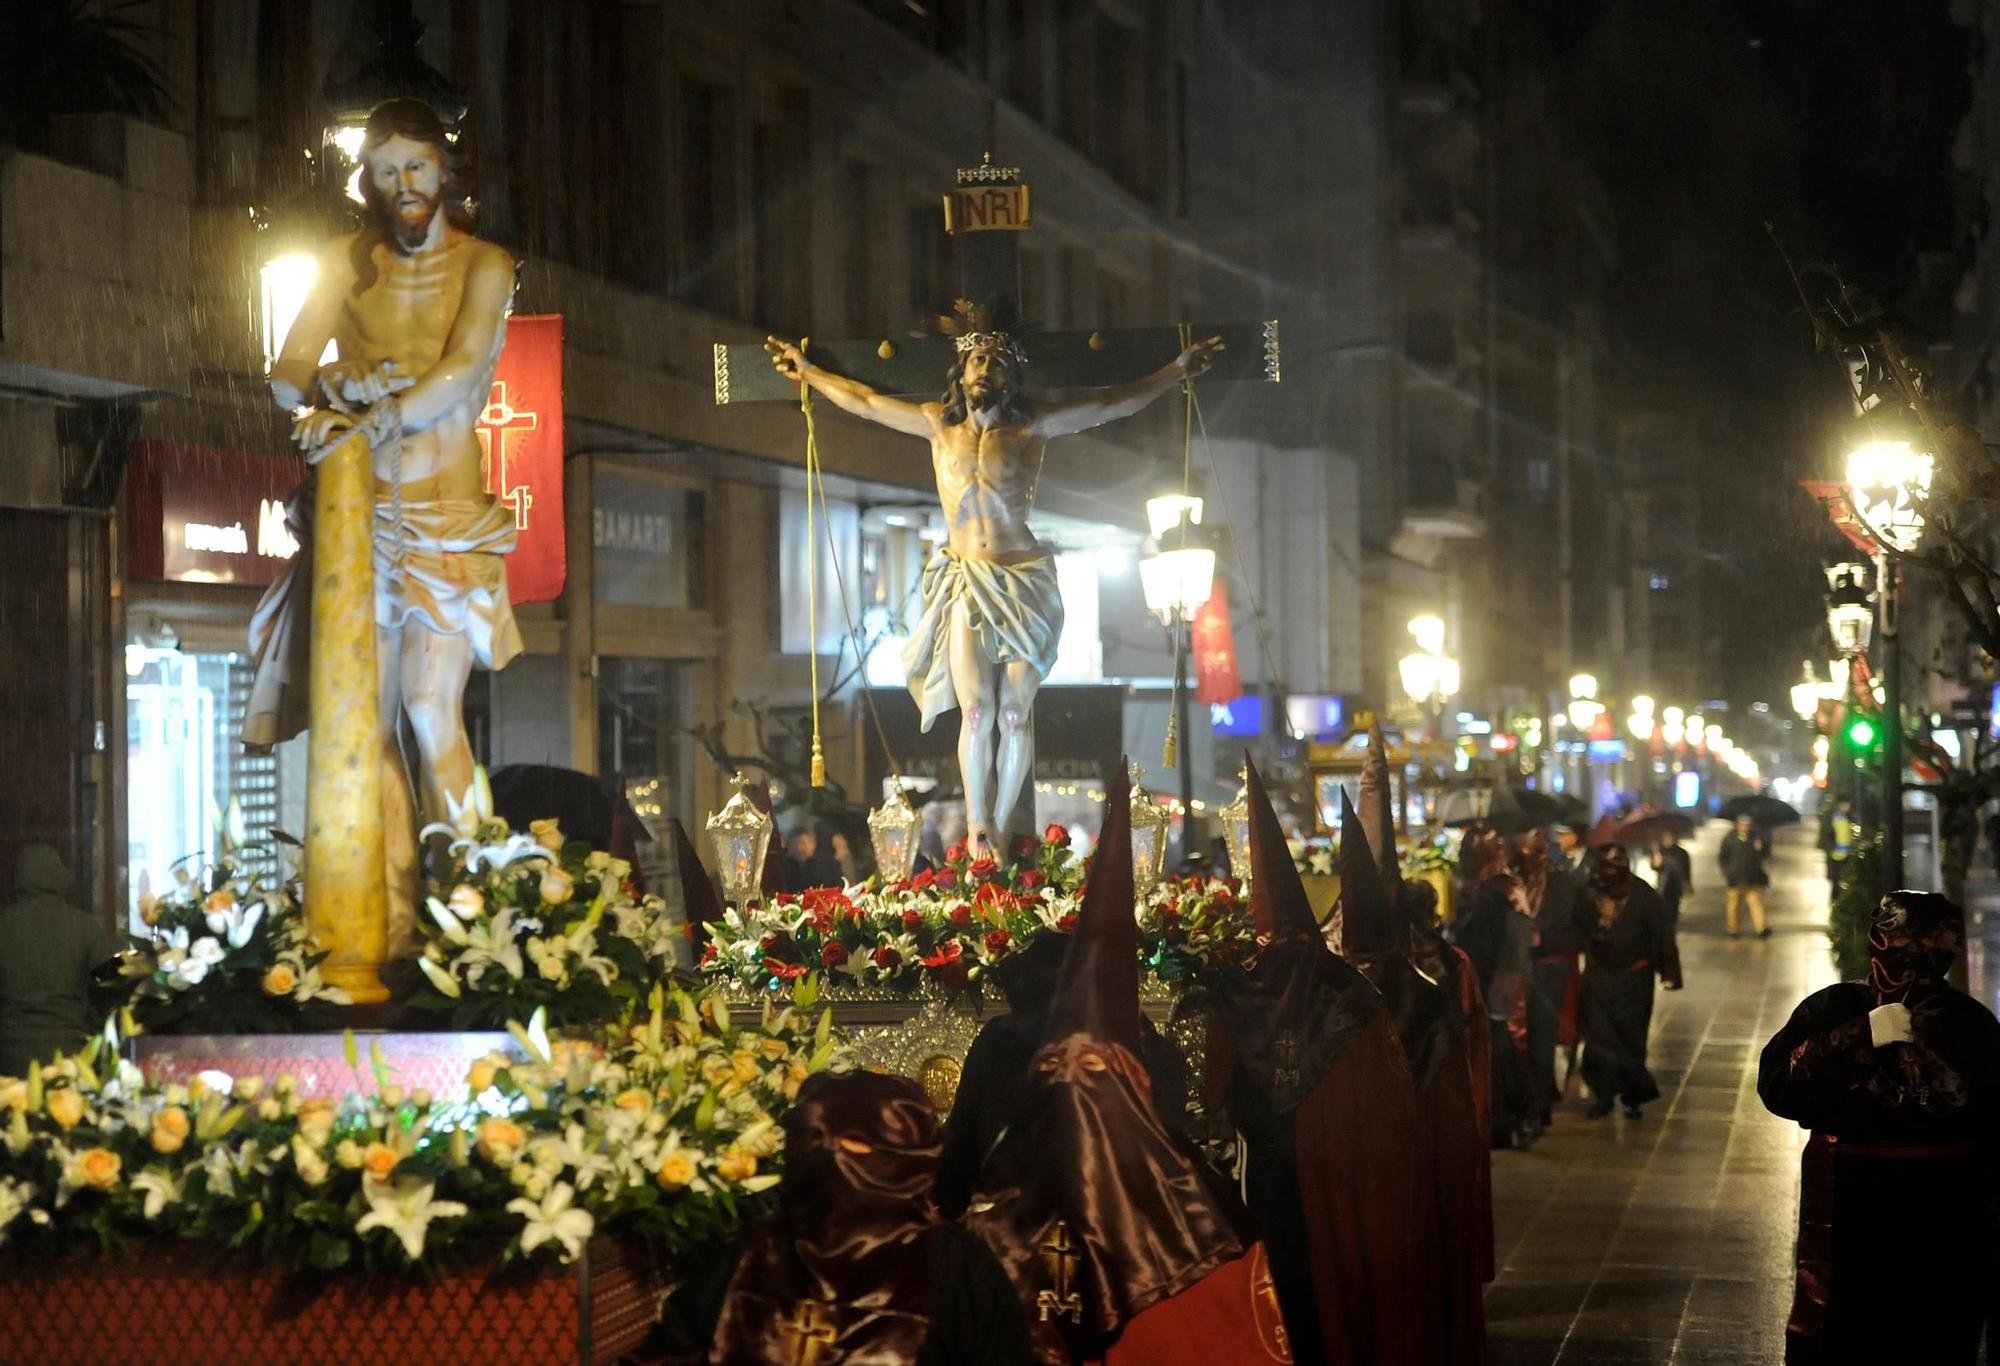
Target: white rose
{"type": "Point", "coordinates": [207, 949]}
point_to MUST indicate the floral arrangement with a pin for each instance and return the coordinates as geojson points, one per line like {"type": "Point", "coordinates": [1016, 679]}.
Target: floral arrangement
{"type": "Point", "coordinates": [662, 1129]}
{"type": "Point", "coordinates": [526, 922]}
{"type": "Point", "coordinates": [224, 953]}
{"type": "Point", "coordinates": [946, 927]}
{"type": "Point", "coordinates": [1315, 857]}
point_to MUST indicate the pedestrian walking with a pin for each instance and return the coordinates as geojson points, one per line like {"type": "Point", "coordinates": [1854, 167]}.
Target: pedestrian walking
{"type": "Point", "coordinates": [48, 950]}
{"type": "Point", "coordinates": [1630, 942]}
{"type": "Point", "coordinates": [1742, 858]}
{"type": "Point", "coordinates": [1555, 903]}
{"type": "Point", "coordinates": [1840, 831]}
{"type": "Point", "coordinates": [1898, 1078]}
{"type": "Point", "coordinates": [1498, 934]}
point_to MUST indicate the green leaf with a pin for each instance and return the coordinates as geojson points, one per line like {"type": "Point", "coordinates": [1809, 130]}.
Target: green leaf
{"type": "Point", "coordinates": [325, 1252]}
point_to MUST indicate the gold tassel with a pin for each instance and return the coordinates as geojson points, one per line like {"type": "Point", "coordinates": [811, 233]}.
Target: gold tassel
{"type": "Point", "coordinates": [818, 765]}
{"type": "Point", "coordinates": [1170, 753]}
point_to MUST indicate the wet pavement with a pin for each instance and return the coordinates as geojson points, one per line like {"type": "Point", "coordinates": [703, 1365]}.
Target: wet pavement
{"type": "Point", "coordinates": [1668, 1239]}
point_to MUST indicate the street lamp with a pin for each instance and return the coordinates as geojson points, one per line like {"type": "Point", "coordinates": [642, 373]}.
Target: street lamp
{"type": "Point", "coordinates": [1177, 584]}
{"type": "Point", "coordinates": [1850, 607]}
{"type": "Point", "coordinates": [1429, 675]}
{"type": "Point", "coordinates": [1641, 722]}
{"type": "Point", "coordinates": [1806, 694]}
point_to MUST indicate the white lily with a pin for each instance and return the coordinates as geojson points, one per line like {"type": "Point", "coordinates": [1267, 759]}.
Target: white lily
{"type": "Point", "coordinates": [236, 924]}
{"type": "Point", "coordinates": [207, 949]}
{"type": "Point", "coordinates": [453, 927]}
{"type": "Point", "coordinates": [554, 1219]}
{"type": "Point", "coordinates": [441, 978]}
{"type": "Point", "coordinates": [492, 943]}
{"type": "Point", "coordinates": [160, 1187]}
{"type": "Point", "coordinates": [15, 1198]}
{"type": "Point", "coordinates": [406, 1208]}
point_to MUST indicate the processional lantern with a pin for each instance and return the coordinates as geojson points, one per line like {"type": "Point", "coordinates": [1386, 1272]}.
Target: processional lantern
{"type": "Point", "coordinates": [1236, 832]}
{"type": "Point", "coordinates": [1850, 607]}
{"type": "Point", "coordinates": [892, 829]}
{"type": "Point", "coordinates": [1150, 824]}
{"type": "Point", "coordinates": [741, 836]}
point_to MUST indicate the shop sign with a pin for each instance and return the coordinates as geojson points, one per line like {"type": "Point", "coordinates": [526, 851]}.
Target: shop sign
{"type": "Point", "coordinates": [639, 534]}
{"type": "Point", "coordinates": [201, 514]}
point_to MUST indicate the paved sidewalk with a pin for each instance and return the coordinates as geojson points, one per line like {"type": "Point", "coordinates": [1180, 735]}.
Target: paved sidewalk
{"type": "Point", "coordinates": [1668, 1239]}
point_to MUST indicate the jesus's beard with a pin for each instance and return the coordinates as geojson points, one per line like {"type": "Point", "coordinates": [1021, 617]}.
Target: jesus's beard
{"type": "Point", "coordinates": [413, 226]}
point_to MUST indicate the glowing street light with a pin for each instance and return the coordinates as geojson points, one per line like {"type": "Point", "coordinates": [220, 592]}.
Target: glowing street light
{"type": "Point", "coordinates": [1850, 607]}
{"type": "Point", "coordinates": [1806, 694]}
{"type": "Point", "coordinates": [1889, 481]}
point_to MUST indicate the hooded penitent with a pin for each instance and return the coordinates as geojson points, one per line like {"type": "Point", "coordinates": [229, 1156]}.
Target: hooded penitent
{"type": "Point", "coordinates": [849, 1267]}
{"type": "Point", "coordinates": [1913, 939]}
{"type": "Point", "coordinates": [1097, 1208]}
{"type": "Point", "coordinates": [700, 902]}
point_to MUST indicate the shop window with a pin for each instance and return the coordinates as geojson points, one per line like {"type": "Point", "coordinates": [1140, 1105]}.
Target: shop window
{"type": "Point", "coordinates": [185, 762]}
{"type": "Point", "coordinates": [648, 537]}
{"type": "Point", "coordinates": [642, 742]}
{"type": "Point", "coordinates": [839, 562]}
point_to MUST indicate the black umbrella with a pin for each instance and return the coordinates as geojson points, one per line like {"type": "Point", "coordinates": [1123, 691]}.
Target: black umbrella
{"type": "Point", "coordinates": [1516, 809]}
{"type": "Point", "coordinates": [589, 809]}
{"type": "Point", "coordinates": [1765, 812]}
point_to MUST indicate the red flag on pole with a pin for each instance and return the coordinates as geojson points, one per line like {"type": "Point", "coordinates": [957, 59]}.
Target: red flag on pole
{"type": "Point", "coordinates": [521, 446]}
{"type": "Point", "coordinates": [1215, 676]}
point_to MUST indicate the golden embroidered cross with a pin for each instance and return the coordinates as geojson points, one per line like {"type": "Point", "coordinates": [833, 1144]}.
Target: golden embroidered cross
{"type": "Point", "coordinates": [1059, 1256]}
{"type": "Point", "coordinates": [502, 417]}
{"type": "Point", "coordinates": [1290, 1053]}
{"type": "Point", "coordinates": [808, 1332]}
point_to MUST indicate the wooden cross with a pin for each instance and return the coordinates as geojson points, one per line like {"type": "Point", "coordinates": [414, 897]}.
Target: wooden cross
{"type": "Point", "coordinates": [985, 212]}
{"type": "Point", "coordinates": [808, 1333]}
{"type": "Point", "coordinates": [1059, 1257]}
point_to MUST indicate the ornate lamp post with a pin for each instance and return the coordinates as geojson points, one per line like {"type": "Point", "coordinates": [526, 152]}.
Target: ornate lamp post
{"type": "Point", "coordinates": [1177, 584]}
{"type": "Point", "coordinates": [741, 837]}
{"type": "Point", "coordinates": [892, 829]}
{"type": "Point", "coordinates": [1236, 832]}
{"type": "Point", "coordinates": [1429, 675]}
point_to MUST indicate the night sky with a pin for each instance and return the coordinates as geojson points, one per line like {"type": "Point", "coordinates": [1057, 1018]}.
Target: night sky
{"type": "Point", "coordinates": [1835, 123]}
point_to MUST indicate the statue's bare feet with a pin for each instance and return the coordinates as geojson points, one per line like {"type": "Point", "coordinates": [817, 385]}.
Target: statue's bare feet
{"type": "Point", "coordinates": [978, 842]}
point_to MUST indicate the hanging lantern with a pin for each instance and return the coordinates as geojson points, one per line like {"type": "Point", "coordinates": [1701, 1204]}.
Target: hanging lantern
{"type": "Point", "coordinates": [892, 829]}
{"type": "Point", "coordinates": [1150, 823]}
{"type": "Point", "coordinates": [741, 835]}
{"type": "Point", "coordinates": [1236, 832]}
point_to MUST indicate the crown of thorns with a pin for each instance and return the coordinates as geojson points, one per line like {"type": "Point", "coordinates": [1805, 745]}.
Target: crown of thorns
{"type": "Point", "coordinates": [971, 326]}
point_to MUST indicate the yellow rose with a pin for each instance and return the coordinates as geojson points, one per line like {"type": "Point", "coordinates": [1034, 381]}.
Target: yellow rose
{"type": "Point", "coordinates": [480, 1075]}
{"type": "Point", "coordinates": [466, 901]}
{"type": "Point", "coordinates": [743, 1065]}
{"type": "Point", "coordinates": [248, 1088]}
{"type": "Point", "coordinates": [736, 1165]}
{"type": "Point", "coordinates": [547, 834]}
{"type": "Point", "coordinates": [347, 1153]}
{"type": "Point", "coordinates": [637, 1098]}
{"type": "Point", "coordinates": [219, 900]}
{"type": "Point", "coordinates": [316, 1116]}
{"type": "Point", "coordinates": [556, 887]}
{"type": "Point", "coordinates": [378, 1160]}
{"type": "Point", "coordinates": [715, 1070]}
{"type": "Point", "coordinates": [65, 1106]}
{"type": "Point", "coordinates": [281, 980]}
{"type": "Point", "coordinates": [676, 1171]}
{"type": "Point", "coordinates": [498, 1139]}
{"type": "Point", "coordinates": [98, 1168]}
{"type": "Point", "coordinates": [170, 1130]}
{"type": "Point", "coordinates": [773, 1049]}
{"type": "Point", "coordinates": [13, 1093]}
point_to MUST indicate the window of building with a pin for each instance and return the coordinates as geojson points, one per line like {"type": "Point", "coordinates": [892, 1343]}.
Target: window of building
{"type": "Point", "coordinates": [843, 545]}
{"type": "Point", "coordinates": [925, 226]}
{"type": "Point", "coordinates": [784, 224]}
{"type": "Point", "coordinates": [1536, 475]}
{"type": "Point", "coordinates": [861, 262]}
{"type": "Point", "coordinates": [707, 194]}
{"type": "Point", "coordinates": [642, 718]}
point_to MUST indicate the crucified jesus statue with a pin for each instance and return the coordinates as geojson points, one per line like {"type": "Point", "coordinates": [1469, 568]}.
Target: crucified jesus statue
{"type": "Point", "coordinates": [992, 612]}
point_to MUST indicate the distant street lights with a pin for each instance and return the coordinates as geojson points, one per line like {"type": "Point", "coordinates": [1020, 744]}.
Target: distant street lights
{"type": "Point", "coordinates": [1178, 582]}
{"type": "Point", "coordinates": [1430, 676]}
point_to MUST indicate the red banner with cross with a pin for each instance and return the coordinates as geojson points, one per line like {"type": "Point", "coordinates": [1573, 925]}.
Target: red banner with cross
{"type": "Point", "coordinates": [1215, 675]}
{"type": "Point", "coordinates": [521, 449]}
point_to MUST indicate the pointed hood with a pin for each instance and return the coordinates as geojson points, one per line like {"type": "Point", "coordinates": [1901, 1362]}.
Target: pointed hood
{"type": "Point", "coordinates": [1378, 809]}
{"type": "Point", "coordinates": [1369, 923]}
{"type": "Point", "coordinates": [700, 901]}
{"type": "Point", "coordinates": [1097, 992]}
{"type": "Point", "coordinates": [1277, 897]}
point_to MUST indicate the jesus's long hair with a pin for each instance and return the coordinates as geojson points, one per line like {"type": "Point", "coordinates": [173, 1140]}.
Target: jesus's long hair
{"type": "Point", "coordinates": [1012, 403]}
{"type": "Point", "coordinates": [418, 122]}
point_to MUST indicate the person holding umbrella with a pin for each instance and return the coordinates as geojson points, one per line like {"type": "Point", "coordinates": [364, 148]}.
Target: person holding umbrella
{"type": "Point", "coordinates": [1742, 859]}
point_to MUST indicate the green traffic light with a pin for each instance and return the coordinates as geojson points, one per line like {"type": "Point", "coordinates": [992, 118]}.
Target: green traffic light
{"type": "Point", "coordinates": [1861, 732]}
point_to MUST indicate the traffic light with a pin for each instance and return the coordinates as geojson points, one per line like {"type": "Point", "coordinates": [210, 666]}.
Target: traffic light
{"type": "Point", "coordinates": [1861, 732]}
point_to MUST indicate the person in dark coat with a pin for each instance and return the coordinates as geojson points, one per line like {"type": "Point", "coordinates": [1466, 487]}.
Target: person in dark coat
{"type": "Point", "coordinates": [1497, 934]}
{"type": "Point", "coordinates": [1673, 878]}
{"type": "Point", "coordinates": [1629, 942]}
{"type": "Point", "coordinates": [807, 864]}
{"type": "Point", "coordinates": [997, 1067]}
{"type": "Point", "coordinates": [1554, 900]}
{"type": "Point", "coordinates": [1380, 935]}
{"type": "Point", "coordinates": [1305, 1061]}
{"type": "Point", "coordinates": [48, 951]}
{"type": "Point", "coordinates": [1742, 857]}
{"type": "Point", "coordinates": [1122, 1243]}
{"type": "Point", "coordinates": [1898, 1078]}
{"type": "Point", "coordinates": [858, 1266]}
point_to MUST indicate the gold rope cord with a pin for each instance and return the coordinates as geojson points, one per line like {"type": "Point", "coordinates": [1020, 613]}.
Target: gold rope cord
{"type": "Point", "coordinates": [812, 571]}
{"type": "Point", "coordinates": [1170, 752]}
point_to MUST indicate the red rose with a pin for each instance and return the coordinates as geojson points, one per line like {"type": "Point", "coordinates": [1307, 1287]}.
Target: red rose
{"type": "Point", "coordinates": [1026, 845]}
{"type": "Point", "coordinates": [1030, 879]}
{"type": "Point", "coordinates": [956, 853]}
{"type": "Point", "coordinates": [947, 952]}
{"type": "Point", "coordinates": [922, 881]}
{"type": "Point", "coordinates": [833, 953]}
{"type": "Point", "coordinates": [961, 914]}
{"type": "Point", "coordinates": [983, 868]}
{"type": "Point", "coordinates": [946, 878]}
{"type": "Point", "coordinates": [1067, 923]}
{"type": "Point", "coordinates": [913, 920]}
{"type": "Point", "coordinates": [953, 976]}
{"type": "Point", "coordinates": [887, 958]}
{"type": "Point", "coordinates": [1057, 834]}
{"type": "Point", "coordinates": [997, 942]}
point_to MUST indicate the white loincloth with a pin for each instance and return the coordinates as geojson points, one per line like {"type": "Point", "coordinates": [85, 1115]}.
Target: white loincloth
{"type": "Point", "coordinates": [1015, 612]}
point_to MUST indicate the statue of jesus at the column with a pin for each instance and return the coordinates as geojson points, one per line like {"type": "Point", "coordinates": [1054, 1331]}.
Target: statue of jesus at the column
{"type": "Point", "coordinates": [418, 307]}
{"type": "Point", "coordinates": [992, 612]}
